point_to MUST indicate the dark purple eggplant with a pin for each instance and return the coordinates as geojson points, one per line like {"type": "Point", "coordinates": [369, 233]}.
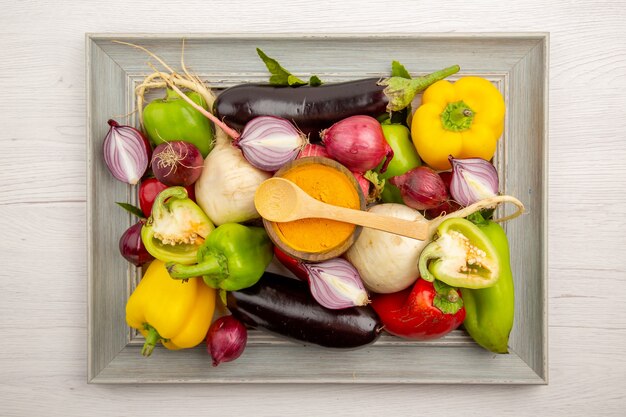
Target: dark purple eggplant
{"type": "Point", "coordinates": [285, 307]}
{"type": "Point", "coordinates": [311, 109]}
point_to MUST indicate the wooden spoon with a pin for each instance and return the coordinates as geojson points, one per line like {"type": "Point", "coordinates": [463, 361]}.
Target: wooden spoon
{"type": "Point", "coordinates": [280, 200]}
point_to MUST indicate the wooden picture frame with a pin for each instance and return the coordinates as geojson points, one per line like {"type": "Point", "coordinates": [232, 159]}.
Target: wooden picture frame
{"type": "Point", "coordinates": [518, 65]}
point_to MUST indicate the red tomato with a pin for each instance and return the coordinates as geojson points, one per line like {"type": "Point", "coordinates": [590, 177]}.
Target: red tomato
{"type": "Point", "coordinates": [150, 188]}
{"type": "Point", "coordinates": [413, 313]}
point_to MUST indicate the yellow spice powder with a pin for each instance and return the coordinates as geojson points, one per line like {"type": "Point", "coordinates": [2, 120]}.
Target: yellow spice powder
{"type": "Point", "coordinates": [330, 186]}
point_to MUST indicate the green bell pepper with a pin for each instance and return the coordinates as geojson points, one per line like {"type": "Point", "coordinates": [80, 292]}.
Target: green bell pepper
{"type": "Point", "coordinates": [172, 118]}
{"type": "Point", "coordinates": [176, 227]}
{"type": "Point", "coordinates": [233, 257]}
{"type": "Point", "coordinates": [490, 311]}
{"type": "Point", "coordinates": [405, 158]}
{"type": "Point", "coordinates": [461, 256]}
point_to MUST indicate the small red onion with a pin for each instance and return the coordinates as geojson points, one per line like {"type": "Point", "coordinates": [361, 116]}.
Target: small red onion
{"type": "Point", "coordinates": [473, 179]}
{"type": "Point", "coordinates": [364, 183]}
{"type": "Point", "coordinates": [132, 247]}
{"type": "Point", "coordinates": [336, 284]}
{"type": "Point", "coordinates": [177, 163]}
{"type": "Point", "coordinates": [226, 339]}
{"type": "Point", "coordinates": [269, 142]}
{"type": "Point", "coordinates": [421, 188]}
{"type": "Point", "coordinates": [311, 149]}
{"type": "Point", "coordinates": [447, 206]}
{"type": "Point", "coordinates": [358, 143]}
{"type": "Point", "coordinates": [126, 152]}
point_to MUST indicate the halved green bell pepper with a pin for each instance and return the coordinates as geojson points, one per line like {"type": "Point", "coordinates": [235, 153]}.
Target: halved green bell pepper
{"type": "Point", "coordinates": [176, 227]}
{"type": "Point", "coordinates": [172, 118]}
{"type": "Point", "coordinates": [233, 257]}
{"type": "Point", "coordinates": [490, 311]}
{"type": "Point", "coordinates": [461, 256]}
{"type": "Point", "coordinates": [405, 158]}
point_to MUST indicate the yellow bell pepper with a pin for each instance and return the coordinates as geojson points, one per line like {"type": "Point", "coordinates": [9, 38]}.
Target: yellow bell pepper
{"type": "Point", "coordinates": [172, 311]}
{"type": "Point", "coordinates": [464, 119]}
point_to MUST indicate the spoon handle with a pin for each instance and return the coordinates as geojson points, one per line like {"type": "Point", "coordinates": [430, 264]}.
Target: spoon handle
{"type": "Point", "coordinates": [413, 229]}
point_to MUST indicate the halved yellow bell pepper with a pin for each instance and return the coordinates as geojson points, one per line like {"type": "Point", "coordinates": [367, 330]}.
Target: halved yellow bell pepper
{"type": "Point", "coordinates": [464, 119]}
{"type": "Point", "coordinates": [176, 313]}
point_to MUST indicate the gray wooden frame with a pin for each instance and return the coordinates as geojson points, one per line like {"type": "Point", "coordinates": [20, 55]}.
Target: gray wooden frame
{"type": "Point", "coordinates": [516, 62]}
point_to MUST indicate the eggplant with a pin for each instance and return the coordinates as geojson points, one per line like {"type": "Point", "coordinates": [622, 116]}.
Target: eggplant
{"type": "Point", "coordinates": [311, 109]}
{"type": "Point", "coordinates": [285, 307]}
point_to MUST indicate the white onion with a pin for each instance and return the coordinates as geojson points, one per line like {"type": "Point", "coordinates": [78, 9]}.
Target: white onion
{"type": "Point", "coordinates": [226, 187]}
{"type": "Point", "coordinates": [387, 262]}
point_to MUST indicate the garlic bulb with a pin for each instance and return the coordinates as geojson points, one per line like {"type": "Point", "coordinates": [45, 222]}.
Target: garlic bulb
{"type": "Point", "coordinates": [225, 190]}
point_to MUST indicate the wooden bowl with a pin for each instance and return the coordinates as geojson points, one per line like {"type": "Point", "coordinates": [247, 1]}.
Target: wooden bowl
{"type": "Point", "coordinates": [330, 253]}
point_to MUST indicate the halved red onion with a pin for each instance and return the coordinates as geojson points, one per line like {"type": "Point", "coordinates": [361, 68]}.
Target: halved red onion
{"type": "Point", "coordinates": [473, 179]}
{"type": "Point", "coordinates": [336, 284]}
{"type": "Point", "coordinates": [269, 142]}
{"type": "Point", "coordinates": [126, 152]}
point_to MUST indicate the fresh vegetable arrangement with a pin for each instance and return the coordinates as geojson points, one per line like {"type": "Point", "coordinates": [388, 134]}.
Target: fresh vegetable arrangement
{"type": "Point", "coordinates": [197, 160]}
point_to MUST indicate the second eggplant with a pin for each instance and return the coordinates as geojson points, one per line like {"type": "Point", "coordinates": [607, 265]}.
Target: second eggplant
{"type": "Point", "coordinates": [285, 307]}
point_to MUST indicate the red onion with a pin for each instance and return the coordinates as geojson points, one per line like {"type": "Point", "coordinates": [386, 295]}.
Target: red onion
{"type": "Point", "coordinates": [421, 188]}
{"type": "Point", "coordinates": [126, 152]}
{"type": "Point", "coordinates": [447, 206]}
{"type": "Point", "coordinates": [177, 163]}
{"type": "Point", "coordinates": [358, 143]}
{"type": "Point", "coordinates": [269, 142]}
{"type": "Point", "coordinates": [311, 149]}
{"type": "Point", "coordinates": [131, 246]}
{"type": "Point", "coordinates": [473, 179]}
{"type": "Point", "coordinates": [226, 339]}
{"type": "Point", "coordinates": [364, 183]}
{"type": "Point", "coordinates": [336, 284]}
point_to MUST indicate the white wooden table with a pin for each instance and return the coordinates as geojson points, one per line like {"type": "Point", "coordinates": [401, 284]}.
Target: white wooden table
{"type": "Point", "coordinates": [43, 286]}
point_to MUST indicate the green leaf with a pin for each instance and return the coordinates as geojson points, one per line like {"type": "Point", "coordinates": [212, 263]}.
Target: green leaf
{"type": "Point", "coordinates": [281, 77]}
{"type": "Point", "coordinates": [398, 70]}
{"type": "Point", "coordinates": [131, 209]}
{"type": "Point", "coordinates": [294, 81]}
{"type": "Point", "coordinates": [379, 185]}
{"type": "Point", "coordinates": [314, 81]}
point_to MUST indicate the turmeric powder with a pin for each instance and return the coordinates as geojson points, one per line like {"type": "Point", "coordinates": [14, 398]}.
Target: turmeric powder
{"type": "Point", "coordinates": [330, 186]}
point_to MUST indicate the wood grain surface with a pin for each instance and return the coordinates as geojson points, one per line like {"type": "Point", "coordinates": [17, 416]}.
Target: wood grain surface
{"type": "Point", "coordinates": [43, 286]}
